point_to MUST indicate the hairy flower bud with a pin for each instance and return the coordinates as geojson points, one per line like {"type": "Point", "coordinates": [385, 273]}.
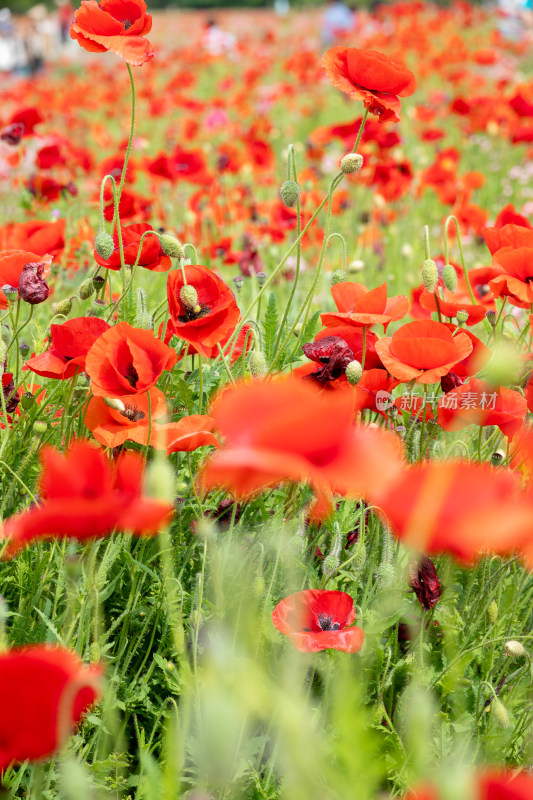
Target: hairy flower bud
{"type": "Point", "coordinates": [351, 162]}
{"type": "Point", "coordinates": [144, 320]}
{"type": "Point", "coordinates": [500, 713]}
{"type": "Point", "coordinates": [492, 611]}
{"type": "Point", "coordinates": [189, 297]}
{"type": "Point", "coordinates": [339, 276]}
{"type": "Point", "coordinates": [39, 427]}
{"type": "Point", "coordinates": [171, 246]}
{"type": "Point", "coordinates": [514, 649]}
{"type": "Point", "coordinates": [449, 277]}
{"type": "Point", "coordinates": [330, 564]}
{"type": "Point", "coordinates": [32, 286]}
{"type": "Point", "coordinates": [160, 479]}
{"type": "Point", "coordinates": [461, 316]}
{"type": "Point", "coordinates": [385, 576]}
{"type": "Point", "coordinates": [430, 275]}
{"type": "Point", "coordinates": [354, 370]}
{"type": "Point", "coordinates": [86, 289]}
{"type": "Point", "coordinates": [289, 193]}
{"type": "Point", "coordinates": [63, 307]}
{"type": "Point", "coordinates": [104, 245]}
{"type": "Point", "coordinates": [257, 364]}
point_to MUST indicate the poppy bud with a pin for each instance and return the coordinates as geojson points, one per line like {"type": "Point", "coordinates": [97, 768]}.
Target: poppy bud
{"type": "Point", "coordinates": [171, 246]}
{"type": "Point", "coordinates": [500, 713]}
{"type": "Point", "coordinates": [104, 245]}
{"type": "Point", "coordinates": [514, 649]}
{"type": "Point", "coordinates": [354, 370]}
{"type": "Point", "coordinates": [114, 402]}
{"type": "Point", "coordinates": [491, 317]}
{"type": "Point", "coordinates": [339, 276]}
{"type": "Point", "coordinates": [39, 427]}
{"type": "Point", "coordinates": [86, 289]}
{"type": "Point", "coordinates": [32, 286]}
{"type": "Point", "coordinates": [24, 349]}
{"type": "Point", "coordinates": [385, 576]}
{"type": "Point", "coordinates": [492, 611]}
{"type": "Point", "coordinates": [64, 307]}
{"type": "Point", "coordinates": [297, 329]}
{"type": "Point", "coordinates": [261, 279]}
{"type": "Point", "coordinates": [289, 193]}
{"type": "Point", "coordinates": [330, 564]}
{"type": "Point", "coordinates": [430, 275]}
{"type": "Point", "coordinates": [144, 320]}
{"type": "Point", "coordinates": [27, 400]}
{"type": "Point", "coordinates": [461, 316]}
{"type": "Point", "coordinates": [257, 364]}
{"type": "Point", "coordinates": [189, 298]}
{"type": "Point", "coordinates": [449, 277]}
{"type": "Point", "coordinates": [351, 162]}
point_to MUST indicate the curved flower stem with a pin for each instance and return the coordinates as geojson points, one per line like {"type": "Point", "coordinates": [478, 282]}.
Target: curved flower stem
{"type": "Point", "coordinates": [132, 131]}
{"type": "Point", "coordinates": [452, 218]}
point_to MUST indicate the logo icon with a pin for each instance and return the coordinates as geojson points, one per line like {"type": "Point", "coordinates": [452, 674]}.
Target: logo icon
{"type": "Point", "coordinates": [384, 400]}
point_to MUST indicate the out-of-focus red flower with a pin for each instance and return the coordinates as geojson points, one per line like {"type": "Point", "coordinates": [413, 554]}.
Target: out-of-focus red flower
{"type": "Point", "coordinates": [215, 314]}
{"type": "Point", "coordinates": [423, 351]}
{"type": "Point", "coordinates": [86, 496]}
{"type": "Point", "coordinates": [37, 236]}
{"type": "Point", "coordinates": [152, 256]}
{"type": "Point", "coordinates": [358, 305]}
{"type": "Point", "coordinates": [510, 235]}
{"type": "Point", "coordinates": [69, 344]}
{"type": "Point", "coordinates": [12, 263]}
{"type": "Point", "coordinates": [44, 692]}
{"type": "Point", "coordinates": [371, 77]}
{"type": "Point", "coordinates": [424, 582]}
{"type": "Point", "coordinates": [488, 784]}
{"type": "Point", "coordinates": [319, 620]}
{"type": "Point", "coordinates": [125, 360]}
{"type": "Point", "coordinates": [189, 433]}
{"type": "Point", "coordinates": [515, 281]}
{"type": "Point", "coordinates": [13, 133]}
{"type": "Point", "coordinates": [116, 25]}
{"type": "Point", "coordinates": [478, 403]}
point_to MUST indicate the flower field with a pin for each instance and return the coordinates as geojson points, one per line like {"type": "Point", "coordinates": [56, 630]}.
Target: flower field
{"type": "Point", "coordinates": [266, 455]}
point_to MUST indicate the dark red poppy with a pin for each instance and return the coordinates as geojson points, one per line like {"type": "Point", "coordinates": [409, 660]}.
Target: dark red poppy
{"type": "Point", "coordinates": [424, 582]}
{"type": "Point", "coordinates": [69, 345]}
{"type": "Point", "coordinates": [44, 692]}
{"type": "Point", "coordinates": [151, 257]}
{"type": "Point", "coordinates": [319, 620]}
{"type": "Point", "coordinates": [125, 360]}
{"type": "Point", "coordinates": [11, 397]}
{"type": "Point", "coordinates": [333, 353]}
{"type": "Point", "coordinates": [33, 288]}
{"type": "Point", "coordinates": [371, 77]}
{"type": "Point", "coordinates": [115, 25]}
{"type": "Point", "coordinates": [86, 496]}
{"type": "Point", "coordinates": [206, 320]}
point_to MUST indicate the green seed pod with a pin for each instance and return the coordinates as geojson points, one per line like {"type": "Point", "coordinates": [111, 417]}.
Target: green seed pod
{"type": "Point", "coordinates": [171, 246]}
{"type": "Point", "coordinates": [257, 364]}
{"type": "Point", "coordinates": [289, 193]}
{"type": "Point", "coordinates": [430, 275]}
{"type": "Point", "coordinates": [449, 277]}
{"type": "Point", "coordinates": [160, 479]}
{"type": "Point", "coordinates": [115, 403]}
{"type": "Point", "coordinates": [461, 316]}
{"type": "Point", "coordinates": [354, 370]}
{"type": "Point", "coordinates": [339, 276]}
{"type": "Point", "coordinates": [350, 163]}
{"type": "Point", "coordinates": [39, 427]}
{"type": "Point", "coordinates": [27, 400]}
{"type": "Point", "coordinates": [491, 317]}
{"type": "Point", "coordinates": [189, 297]}
{"type": "Point", "coordinates": [104, 245]}
{"type": "Point", "coordinates": [63, 307]}
{"type": "Point", "coordinates": [87, 289]}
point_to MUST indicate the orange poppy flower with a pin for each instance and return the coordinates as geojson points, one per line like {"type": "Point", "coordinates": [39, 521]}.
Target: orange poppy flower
{"type": "Point", "coordinates": [115, 25]}
{"type": "Point", "coordinates": [477, 403]}
{"type": "Point", "coordinates": [189, 433]}
{"type": "Point", "coordinates": [37, 236]}
{"type": "Point", "coordinates": [317, 620]}
{"type": "Point", "coordinates": [287, 430]}
{"type": "Point", "coordinates": [509, 235]}
{"type": "Point", "coordinates": [69, 345]}
{"type": "Point", "coordinates": [371, 77]}
{"type": "Point", "coordinates": [126, 360]}
{"type": "Point", "coordinates": [152, 256]}
{"type": "Point", "coordinates": [127, 420]}
{"type": "Point", "coordinates": [12, 263]}
{"type": "Point", "coordinates": [207, 320]}
{"type": "Point", "coordinates": [451, 304]}
{"type": "Point", "coordinates": [358, 305]}
{"type": "Point", "coordinates": [423, 351]}
{"type": "Point", "coordinates": [515, 282]}
{"type": "Point", "coordinates": [487, 784]}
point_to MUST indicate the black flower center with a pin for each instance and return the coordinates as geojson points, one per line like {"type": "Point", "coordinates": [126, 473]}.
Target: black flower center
{"type": "Point", "coordinates": [325, 623]}
{"type": "Point", "coordinates": [132, 376]}
{"type": "Point", "coordinates": [133, 414]}
{"type": "Point", "coordinates": [189, 314]}
{"type": "Point", "coordinates": [127, 23]}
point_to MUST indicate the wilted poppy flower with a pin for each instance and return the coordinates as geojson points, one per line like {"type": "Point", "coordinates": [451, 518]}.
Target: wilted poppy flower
{"type": "Point", "coordinates": [478, 403]}
{"type": "Point", "coordinates": [371, 77]}
{"type": "Point", "coordinates": [13, 133]}
{"type": "Point", "coordinates": [44, 692]}
{"type": "Point", "coordinates": [358, 305]}
{"type": "Point", "coordinates": [287, 430]}
{"type": "Point", "coordinates": [87, 496]}
{"type": "Point", "coordinates": [424, 582]}
{"type": "Point", "coordinates": [207, 318]}
{"type": "Point", "coordinates": [487, 784]}
{"type": "Point", "coordinates": [515, 281]}
{"type": "Point", "coordinates": [319, 620]}
{"type": "Point", "coordinates": [125, 360]}
{"type": "Point", "coordinates": [423, 351]}
{"type": "Point", "coordinates": [152, 256]}
{"type": "Point", "coordinates": [11, 397]}
{"type": "Point", "coordinates": [333, 353]}
{"type": "Point", "coordinates": [69, 344]}
{"type": "Point", "coordinates": [32, 287]}
{"type": "Point", "coordinates": [326, 349]}
{"type": "Point", "coordinates": [12, 263]}
{"type": "Point", "coordinates": [115, 25]}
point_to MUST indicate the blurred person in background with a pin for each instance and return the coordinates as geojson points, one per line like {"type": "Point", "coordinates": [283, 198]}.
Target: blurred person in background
{"type": "Point", "coordinates": [7, 41]}
{"type": "Point", "coordinates": [216, 41]}
{"type": "Point", "coordinates": [338, 21]}
{"type": "Point", "coordinates": [65, 14]}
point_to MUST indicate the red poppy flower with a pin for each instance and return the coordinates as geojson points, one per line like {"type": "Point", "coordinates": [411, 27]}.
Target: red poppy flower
{"type": "Point", "coordinates": [458, 507]}
{"type": "Point", "coordinates": [115, 25]}
{"type": "Point", "coordinates": [477, 403]}
{"type": "Point", "coordinates": [87, 496]}
{"type": "Point", "coordinates": [372, 389]}
{"type": "Point", "coordinates": [510, 235]}
{"type": "Point", "coordinates": [358, 305]}
{"type": "Point", "coordinates": [126, 360]}
{"type": "Point", "coordinates": [451, 304]}
{"type": "Point", "coordinates": [488, 784]}
{"type": "Point", "coordinates": [287, 430]}
{"type": "Point", "coordinates": [423, 351]}
{"type": "Point", "coordinates": [12, 263]}
{"type": "Point", "coordinates": [515, 282]}
{"type": "Point", "coordinates": [190, 433]}
{"type": "Point", "coordinates": [214, 314]}
{"type": "Point", "coordinates": [44, 692]}
{"type": "Point", "coordinates": [37, 236]}
{"type": "Point", "coordinates": [131, 418]}
{"type": "Point", "coordinates": [152, 256]}
{"type": "Point", "coordinates": [319, 620]}
{"type": "Point", "coordinates": [371, 77]}
{"type": "Point", "coordinates": [69, 345]}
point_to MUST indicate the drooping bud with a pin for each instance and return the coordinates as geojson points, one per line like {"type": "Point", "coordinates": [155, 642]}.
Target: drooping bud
{"type": "Point", "coordinates": [189, 298]}
{"type": "Point", "coordinates": [500, 713]}
{"type": "Point", "coordinates": [430, 275]}
{"type": "Point", "coordinates": [330, 564]}
{"type": "Point", "coordinates": [39, 427]}
{"type": "Point", "coordinates": [289, 193]}
{"type": "Point", "coordinates": [114, 402]}
{"type": "Point", "coordinates": [514, 649]}
{"type": "Point", "coordinates": [449, 277]}
{"type": "Point", "coordinates": [86, 289]}
{"type": "Point", "coordinates": [32, 286]}
{"type": "Point", "coordinates": [104, 245]}
{"type": "Point", "coordinates": [461, 316]}
{"type": "Point", "coordinates": [354, 370]}
{"type": "Point", "coordinates": [24, 349]}
{"type": "Point", "coordinates": [63, 307]}
{"type": "Point", "coordinates": [257, 364]}
{"type": "Point", "coordinates": [492, 612]}
{"type": "Point", "coordinates": [171, 246]}
{"type": "Point", "coordinates": [351, 162]}
{"type": "Point", "coordinates": [339, 276]}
